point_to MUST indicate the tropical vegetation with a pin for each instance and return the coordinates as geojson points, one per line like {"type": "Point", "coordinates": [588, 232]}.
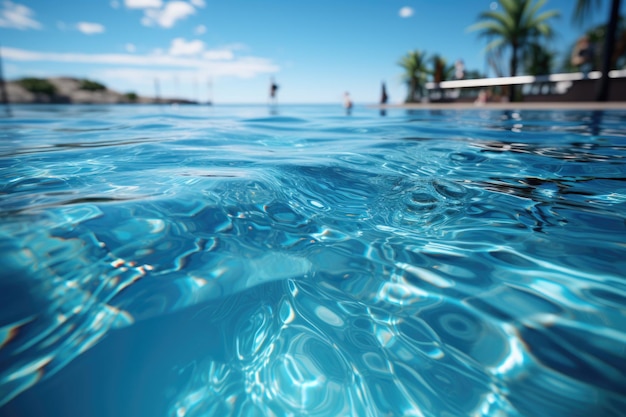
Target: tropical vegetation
{"type": "Point", "coordinates": [90, 85]}
{"type": "Point", "coordinates": [442, 71]}
{"type": "Point", "coordinates": [596, 36]}
{"type": "Point", "coordinates": [131, 96]}
{"type": "Point", "coordinates": [37, 85]}
{"type": "Point", "coordinates": [415, 74]}
{"type": "Point", "coordinates": [516, 25]}
{"type": "Point", "coordinates": [519, 28]}
{"type": "Point", "coordinates": [539, 60]}
{"type": "Point", "coordinates": [584, 9]}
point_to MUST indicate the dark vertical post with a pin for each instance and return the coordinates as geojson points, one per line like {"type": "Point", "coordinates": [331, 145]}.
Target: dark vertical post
{"type": "Point", "coordinates": [602, 92]}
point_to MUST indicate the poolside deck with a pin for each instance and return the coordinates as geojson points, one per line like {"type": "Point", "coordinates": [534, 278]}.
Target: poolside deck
{"type": "Point", "coordinates": [589, 105]}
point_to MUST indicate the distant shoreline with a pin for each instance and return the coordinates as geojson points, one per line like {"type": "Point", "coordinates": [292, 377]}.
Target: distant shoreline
{"type": "Point", "coordinates": [68, 90]}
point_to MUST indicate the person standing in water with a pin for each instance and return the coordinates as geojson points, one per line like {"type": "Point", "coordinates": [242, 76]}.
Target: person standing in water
{"type": "Point", "coordinates": [383, 96]}
{"type": "Point", "coordinates": [273, 91]}
{"type": "Point", "coordinates": [347, 103]}
{"type": "Point", "coordinates": [383, 100]}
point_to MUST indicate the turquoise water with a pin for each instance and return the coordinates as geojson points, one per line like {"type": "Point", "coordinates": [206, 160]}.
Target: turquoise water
{"type": "Point", "coordinates": [231, 261]}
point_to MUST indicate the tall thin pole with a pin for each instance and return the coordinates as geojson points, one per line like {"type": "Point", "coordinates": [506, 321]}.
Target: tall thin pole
{"type": "Point", "coordinates": [602, 89]}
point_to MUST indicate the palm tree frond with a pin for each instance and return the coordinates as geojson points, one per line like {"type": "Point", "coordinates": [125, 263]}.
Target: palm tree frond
{"type": "Point", "coordinates": [511, 7]}
{"type": "Point", "coordinates": [495, 44]}
{"type": "Point", "coordinates": [491, 27]}
{"type": "Point", "coordinates": [550, 14]}
{"type": "Point", "coordinates": [538, 5]}
{"type": "Point", "coordinates": [515, 27]}
{"type": "Point", "coordinates": [584, 8]}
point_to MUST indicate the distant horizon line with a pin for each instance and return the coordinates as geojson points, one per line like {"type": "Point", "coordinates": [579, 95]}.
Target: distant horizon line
{"type": "Point", "coordinates": [205, 103]}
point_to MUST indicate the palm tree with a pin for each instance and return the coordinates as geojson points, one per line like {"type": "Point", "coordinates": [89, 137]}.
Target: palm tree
{"type": "Point", "coordinates": [415, 73]}
{"type": "Point", "coordinates": [517, 25]}
{"type": "Point", "coordinates": [539, 60]}
{"type": "Point", "coordinates": [442, 71]}
{"type": "Point", "coordinates": [583, 10]}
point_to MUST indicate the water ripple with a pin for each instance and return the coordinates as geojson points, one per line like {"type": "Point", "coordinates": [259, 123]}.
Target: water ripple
{"type": "Point", "coordinates": [425, 264]}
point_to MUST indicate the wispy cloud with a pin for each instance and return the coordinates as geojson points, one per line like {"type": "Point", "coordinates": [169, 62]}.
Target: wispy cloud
{"type": "Point", "coordinates": [130, 47]}
{"type": "Point", "coordinates": [200, 30]}
{"type": "Point", "coordinates": [218, 62]}
{"type": "Point", "coordinates": [218, 54]}
{"type": "Point", "coordinates": [89, 28]}
{"type": "Point", "coordinates": [181, 47]}
{"type": "Point", "coordinates": [168, 15]}
{"type": "Point", "coordinates": [198, 3]}
{"type": "Point", "coordinates": [115, 4]}
{"type": "Point", "coordinates": [17, 16]}
{"type": "Point", "coordinates": [236, 46]}
{"type": "Point", "coordinates": [406, 12]}
{"type": "Point", "coordinates": [196, 48]}
{"type": "Point", "coordinates": [143, 4]}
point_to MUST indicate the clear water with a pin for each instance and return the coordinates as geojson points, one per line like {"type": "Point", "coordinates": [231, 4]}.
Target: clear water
{"type": "Point", "coordinates": [195, 261]}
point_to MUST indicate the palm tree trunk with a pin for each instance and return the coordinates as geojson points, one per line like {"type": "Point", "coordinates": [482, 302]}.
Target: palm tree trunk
{"type": "Point", "coordinates": [410, 96]}
{"type": "Point", "coordinates": [602, 92]}
{"type": "Point", "coordinates": [513, 71]}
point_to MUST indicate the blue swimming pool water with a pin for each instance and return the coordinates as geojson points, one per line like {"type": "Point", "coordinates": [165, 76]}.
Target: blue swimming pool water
{"type": "Point", "coordinates": [195, 261]}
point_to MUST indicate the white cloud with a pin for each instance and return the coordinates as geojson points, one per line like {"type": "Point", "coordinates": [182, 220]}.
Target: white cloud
{"type": "Point", "coordinates": [236, 46]}
{"type": "Point", "coordinates": [181, 47]}
{"type": "Point", "coordinates": [89, 28]}
{"type": "Point", "coordinates": [198, 3]}
{"type": "Point", "coordinates": [218, 54]}
{"type": "Point", "coordinates": [243, 67]}
{"type": "Point", "coordinates": [406, 12]}
{"type": "Point", "coordinates": [17, 16]}
{"type": "Point", "coordinates": [143, 4]}
{"type": "Point", "coordinates": [169, 15]}
{"type": "Point", "coordinates": [200, 30]}
{"type": "Point", "coordinates": [115, 4]}
{"type": "Point", "coordinates": [130, 48]}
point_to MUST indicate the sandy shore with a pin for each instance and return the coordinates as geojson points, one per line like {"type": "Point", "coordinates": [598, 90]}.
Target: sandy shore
{"type": "Point", "coordinates": [592, 105]}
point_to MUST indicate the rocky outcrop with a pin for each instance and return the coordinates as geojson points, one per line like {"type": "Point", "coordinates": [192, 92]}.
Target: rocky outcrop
{"type": "Point", "coordinates": [71, 91]}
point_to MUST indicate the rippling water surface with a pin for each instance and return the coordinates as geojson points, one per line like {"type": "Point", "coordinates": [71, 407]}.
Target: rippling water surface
{"type": "Point", "coordinates": [230, 261]}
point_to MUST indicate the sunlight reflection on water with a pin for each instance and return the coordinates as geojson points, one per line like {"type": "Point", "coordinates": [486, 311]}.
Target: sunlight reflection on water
{"type": "Point", "coordinates": [426, 264]}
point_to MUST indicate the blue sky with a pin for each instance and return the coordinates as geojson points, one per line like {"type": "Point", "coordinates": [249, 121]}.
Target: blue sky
{"type": "Point", "coordinates": [315, 50]}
